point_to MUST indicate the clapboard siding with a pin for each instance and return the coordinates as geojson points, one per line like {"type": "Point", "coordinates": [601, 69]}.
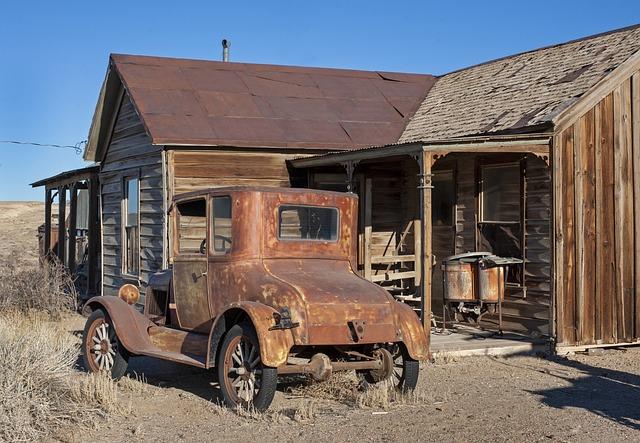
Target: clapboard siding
{"type": "Point", "coordinates": [130, 153]}
{"type": "Point", "coordinates": [194, 170]}
{"type": "Point", "coordinates": [597, 221]}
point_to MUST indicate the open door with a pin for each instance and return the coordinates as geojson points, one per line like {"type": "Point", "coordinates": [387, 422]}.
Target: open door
{"type": "Point", "coordinates": [190, 263]}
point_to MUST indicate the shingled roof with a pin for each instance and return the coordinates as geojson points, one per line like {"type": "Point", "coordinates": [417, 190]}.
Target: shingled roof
{"type": "Point", "coordinates": [210, 103]}
{"type": "Point", "coordinates": [520, 93]}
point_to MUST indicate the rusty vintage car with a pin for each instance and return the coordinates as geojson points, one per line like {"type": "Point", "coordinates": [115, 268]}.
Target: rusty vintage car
{"type": "Point", "coordinates": [261, 282]}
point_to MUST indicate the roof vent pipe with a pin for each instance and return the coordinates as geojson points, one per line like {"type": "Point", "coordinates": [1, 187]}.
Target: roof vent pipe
{"type": "Point", "coordinates": [225, 50]}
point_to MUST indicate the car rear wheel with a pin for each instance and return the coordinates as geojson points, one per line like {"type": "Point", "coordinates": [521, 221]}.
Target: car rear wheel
{"type": "Point", "coordinates": [405, 371]}
{"type": "Point", "coordinates": [244, 381]}
{"type": "Point", "coordinates": [101, 349]}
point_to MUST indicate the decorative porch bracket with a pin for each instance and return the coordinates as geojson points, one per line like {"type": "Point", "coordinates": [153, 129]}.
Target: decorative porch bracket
{"type": "Point", "coordinates": [350, 167]}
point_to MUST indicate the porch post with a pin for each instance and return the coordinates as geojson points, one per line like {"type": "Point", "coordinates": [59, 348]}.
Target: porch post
{"type": "Point", "coordinates": [46, 248]}
{"type": "Point", "coordinates": [62, 202]}
{"type": "Point", "coordinates": [94, 236]}
{"type": "Point", "coordinates": [73, 209]}
{"type": "Point", "coordinates": [424, 186]}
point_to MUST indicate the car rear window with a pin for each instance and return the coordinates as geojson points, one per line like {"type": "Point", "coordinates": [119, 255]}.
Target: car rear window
{"type": "Point", "coordinates": [307, 223]}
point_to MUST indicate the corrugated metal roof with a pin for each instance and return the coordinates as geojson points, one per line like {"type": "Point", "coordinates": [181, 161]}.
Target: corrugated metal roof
{"type": "Point", "coordinates": [196, 102]}
{"type": "Point", "coordinates": [522, 92]}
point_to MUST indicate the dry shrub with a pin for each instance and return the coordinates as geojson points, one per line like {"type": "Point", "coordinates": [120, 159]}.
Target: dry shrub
{"type": "Point", "coordinates": [345, 388]}
{"type": "Point", "coordinates": [306, 412]}
{"type": "Point", "coordinates": [384, 395]}
{"type": "Point", "coordinates": [40, 393]}
{"type": "Point", "coordinates": [46, 288]}
{"type": "Point", "coordinates": [341, 387]}
{"type": "Point", "coordinates": [135, 383]}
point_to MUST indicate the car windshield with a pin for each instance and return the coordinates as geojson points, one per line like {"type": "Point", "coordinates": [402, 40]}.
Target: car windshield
{"type": "Point", "coordinates": [308, 223]}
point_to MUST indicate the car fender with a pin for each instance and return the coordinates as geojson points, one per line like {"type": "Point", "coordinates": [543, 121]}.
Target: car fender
{"type": "Point", "coordinates": [130, 325]}
{"type": "Point", "coordinates": [413, 334]}
{"type": "Point", "coordinates": [275, 344]}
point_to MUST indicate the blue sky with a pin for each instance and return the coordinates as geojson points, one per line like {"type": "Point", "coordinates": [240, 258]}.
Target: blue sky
{"type": "Point", "coordinates": [53, 55]}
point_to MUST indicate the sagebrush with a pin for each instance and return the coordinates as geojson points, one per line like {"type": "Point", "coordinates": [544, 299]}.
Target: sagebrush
{"type": "Point", "coordinates": [40, 392]}
{"type": "Point", "coordinates": [47, 288]}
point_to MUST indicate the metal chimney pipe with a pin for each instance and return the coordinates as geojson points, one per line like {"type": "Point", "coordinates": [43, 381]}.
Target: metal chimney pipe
{"type": "Point", "coordinates": [225, 50]}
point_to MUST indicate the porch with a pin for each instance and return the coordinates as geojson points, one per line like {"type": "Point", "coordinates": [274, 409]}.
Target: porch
{"type": "Point", "coordinates": [74, 241]}
{"type": "Point", "coordinates": [439, 199]}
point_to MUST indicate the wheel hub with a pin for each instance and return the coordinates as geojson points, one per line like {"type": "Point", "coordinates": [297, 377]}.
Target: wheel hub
{"type": "Point", "coordinates": [386, 370]}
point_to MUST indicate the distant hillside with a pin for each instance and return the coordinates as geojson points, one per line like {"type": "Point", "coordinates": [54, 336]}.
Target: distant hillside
{"type": "Point", "coordinates": [19, 223]}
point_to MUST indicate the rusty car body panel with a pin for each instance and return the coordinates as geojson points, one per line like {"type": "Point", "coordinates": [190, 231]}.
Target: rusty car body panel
{"type": "Point", "coordinates": [297, 293]}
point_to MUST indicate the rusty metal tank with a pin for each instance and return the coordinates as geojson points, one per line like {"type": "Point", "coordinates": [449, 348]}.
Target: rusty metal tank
{"type": "Point", "coordinates": [467, 278]}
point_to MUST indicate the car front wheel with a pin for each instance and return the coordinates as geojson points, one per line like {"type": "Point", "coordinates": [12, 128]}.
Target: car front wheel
{"type": "Point", "coordinates": [244, 381]}
{"type": "Point", "coordinates": [101, 349]}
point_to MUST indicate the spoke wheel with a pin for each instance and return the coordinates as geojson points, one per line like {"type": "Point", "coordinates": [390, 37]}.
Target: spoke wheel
{"type": "Point", "coordinates": [405, 371]}
{"type": "Point", "coordinates": [244, 381]}
{"type": "Point", "coordinates": [101, 347]}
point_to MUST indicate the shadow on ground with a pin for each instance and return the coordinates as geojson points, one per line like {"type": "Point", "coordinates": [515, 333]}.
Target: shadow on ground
{"type": "Point", "coordinates": [608, 393]}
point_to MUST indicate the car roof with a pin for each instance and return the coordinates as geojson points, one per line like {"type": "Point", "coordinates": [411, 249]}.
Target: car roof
{"type": "Point", "coordinates": [259, 189]}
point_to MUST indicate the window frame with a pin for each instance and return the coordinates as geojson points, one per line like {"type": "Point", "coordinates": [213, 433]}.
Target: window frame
{"type": "Point", "coordinates": [451, 172]}
{"type": "Point", "coordinates": [306, 240]}
{"type": "Point", "coordinates": [211, 220]}
{"type": "Point", "coordinates": [517, 164]}
{"type": "Point", "coordinates": [176, 246]}
{"type": "Point", "coordinates": [124, 215]}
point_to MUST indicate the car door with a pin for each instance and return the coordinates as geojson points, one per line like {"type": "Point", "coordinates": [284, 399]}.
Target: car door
{"type": "Point", "coordinates": [220, 266]}
{"type": "Point", "coordinates": [190, 264]}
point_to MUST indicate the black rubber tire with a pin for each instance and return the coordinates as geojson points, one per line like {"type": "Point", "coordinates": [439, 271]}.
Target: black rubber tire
{"type": "Point", "coordinates": [269, 376]}
{"type": "Point", "coordinates": [120, 357]}
{"type": "Point", "coordinates": [406, 383]}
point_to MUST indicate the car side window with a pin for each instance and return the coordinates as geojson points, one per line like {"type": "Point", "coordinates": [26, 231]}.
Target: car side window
{"type": "Point", "coordinates": [192, 227]}
{"type": "Point", "coordinates": [222, 225]}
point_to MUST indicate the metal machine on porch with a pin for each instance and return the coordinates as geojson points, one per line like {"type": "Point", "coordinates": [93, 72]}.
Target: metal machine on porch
{"type": "Point", "coordinates": [473, 284]}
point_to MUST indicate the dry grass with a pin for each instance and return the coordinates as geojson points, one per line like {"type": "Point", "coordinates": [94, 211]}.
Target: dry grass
{"type": "Point", "coordinates": [26, 288]}
{"type": "Point", "coordinates": [40, 393]}
{"type": "Point", "coordinates": [343, 387]}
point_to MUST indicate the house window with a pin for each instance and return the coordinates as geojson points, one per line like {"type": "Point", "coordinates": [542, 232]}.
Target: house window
{"type": "Point", "coordinates": [130, 211]}
{"type": "Point", "coordinates": [501, 193]}
{"type": "Point", "coordinates": [443, 199]}
{"type": "Point", "coordinates": [192, 227]}
{"type": "Point", "coordinates": [222, 232]}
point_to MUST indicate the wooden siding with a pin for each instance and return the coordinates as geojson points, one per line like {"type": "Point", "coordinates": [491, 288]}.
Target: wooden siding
{"type": "Point", "coordinates": [597, 221]}
{"type": "Point", "coordinates": [193, 170]}
{"type": "Point", "coordinates": [130, 153]}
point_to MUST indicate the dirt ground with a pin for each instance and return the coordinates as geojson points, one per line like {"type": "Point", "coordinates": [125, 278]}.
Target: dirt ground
{"type": "Point", "coordinates": [518, 398]}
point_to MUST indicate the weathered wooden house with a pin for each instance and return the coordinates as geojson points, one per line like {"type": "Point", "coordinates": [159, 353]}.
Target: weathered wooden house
{"type": "Point", "coordinates": [535, 156]}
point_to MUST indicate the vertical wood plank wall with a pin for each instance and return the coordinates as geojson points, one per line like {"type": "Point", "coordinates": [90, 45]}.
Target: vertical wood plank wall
{"type": "Point", "coordinates": [597, 222]}
{"type": "Point", "coordinates": [130, 153]}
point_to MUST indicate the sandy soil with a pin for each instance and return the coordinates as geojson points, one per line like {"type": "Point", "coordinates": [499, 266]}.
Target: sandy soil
{"type": "Point", "coordinates": [519, 398]}
{"type": "Point", "coordinates": [522, 398]}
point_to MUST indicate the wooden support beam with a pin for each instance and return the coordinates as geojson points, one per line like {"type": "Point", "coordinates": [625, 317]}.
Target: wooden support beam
{"type": "Point", "coordinates": [47, 223]}
{"type": "Point", "coordinates": [426, 250]}
{"type": "Point", "coordinates": [367, 229]}
{"type": "Point", "coordinates": [62, 203]}
{"type": "Point", "coordinates": [94, 238]}
{"type": "Point", "coordinates": [73, 213]}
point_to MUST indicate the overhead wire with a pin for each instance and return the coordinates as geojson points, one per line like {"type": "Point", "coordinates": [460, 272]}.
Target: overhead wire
{"type": "Point", "coordinates": [77, 147]}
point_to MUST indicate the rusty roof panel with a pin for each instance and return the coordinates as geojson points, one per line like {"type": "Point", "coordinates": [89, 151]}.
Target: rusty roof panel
{"type": "Point", "coordinates": [238, 104]}
{"type": "Point", "coordinates": [224, 104]}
